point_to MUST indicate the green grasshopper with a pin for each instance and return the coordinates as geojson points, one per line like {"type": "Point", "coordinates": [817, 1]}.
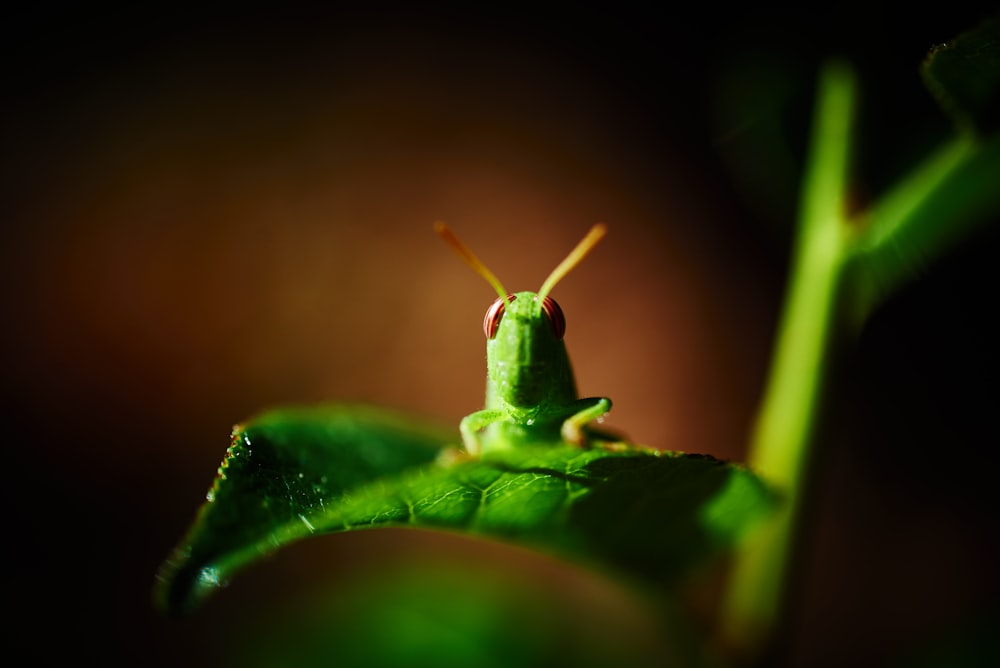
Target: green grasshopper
{"type": "Point", "coordinates": [531, 395]}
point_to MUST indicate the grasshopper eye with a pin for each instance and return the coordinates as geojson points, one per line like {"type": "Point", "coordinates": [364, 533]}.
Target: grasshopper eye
{"type": "Point", "coordinates": [556, 318]}
{"type": "Point", "coordinates": [493, 316]}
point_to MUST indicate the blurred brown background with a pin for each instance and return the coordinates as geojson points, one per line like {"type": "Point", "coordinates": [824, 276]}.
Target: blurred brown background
{"type": "Point", "coordinates": [209, 212]}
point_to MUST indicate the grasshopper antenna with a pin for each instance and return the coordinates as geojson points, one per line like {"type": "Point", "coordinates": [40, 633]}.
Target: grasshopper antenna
{"type": "Point", "coordinates": [469, 257]}
{"type": "Point", "coordinates": [574, 258]}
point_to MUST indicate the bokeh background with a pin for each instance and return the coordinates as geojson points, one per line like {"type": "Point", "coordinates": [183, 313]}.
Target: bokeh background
{"type": "Point", "coordinates": [206, 212]}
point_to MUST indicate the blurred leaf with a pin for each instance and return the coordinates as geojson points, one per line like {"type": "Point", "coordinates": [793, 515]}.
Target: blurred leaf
{"type": "Point", "coordinates": [753, 106]}
{"type": "Point", "coordinates": [964, 77]}
{"type": "Point", "coordinates": [457, 613]}
{"type": "Point", "coordinates": [290, 475]}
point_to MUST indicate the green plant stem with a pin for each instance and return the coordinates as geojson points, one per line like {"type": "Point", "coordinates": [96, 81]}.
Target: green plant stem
{"type": "Point", "coordinates": [780, 445]}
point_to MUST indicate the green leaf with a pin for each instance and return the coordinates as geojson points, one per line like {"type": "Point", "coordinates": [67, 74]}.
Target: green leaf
{"type": "Point", "coordinates": [451, 611]}
{"type": "Point", "coordinates": [288, 475]}
{"type": "Point", "coordinates": [279, 469]}
{"type": "Point", "coordinates": [964, 77]}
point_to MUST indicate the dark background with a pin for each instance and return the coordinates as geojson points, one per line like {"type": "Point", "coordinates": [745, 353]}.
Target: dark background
{"type": "Point", "coordinates": [209, 211]}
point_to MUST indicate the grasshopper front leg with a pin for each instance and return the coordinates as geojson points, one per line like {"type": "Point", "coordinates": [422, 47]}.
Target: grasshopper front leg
{"type": "Point", "coordinates": [473, 423]}
{"type": "Point", "coordinates": [590, 409]}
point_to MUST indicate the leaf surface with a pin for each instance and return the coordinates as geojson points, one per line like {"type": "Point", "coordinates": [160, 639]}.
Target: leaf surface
{"type": "Point", "coordinates": [281, 468]}
{"type": "Point", "coordinates": [286, 476]}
